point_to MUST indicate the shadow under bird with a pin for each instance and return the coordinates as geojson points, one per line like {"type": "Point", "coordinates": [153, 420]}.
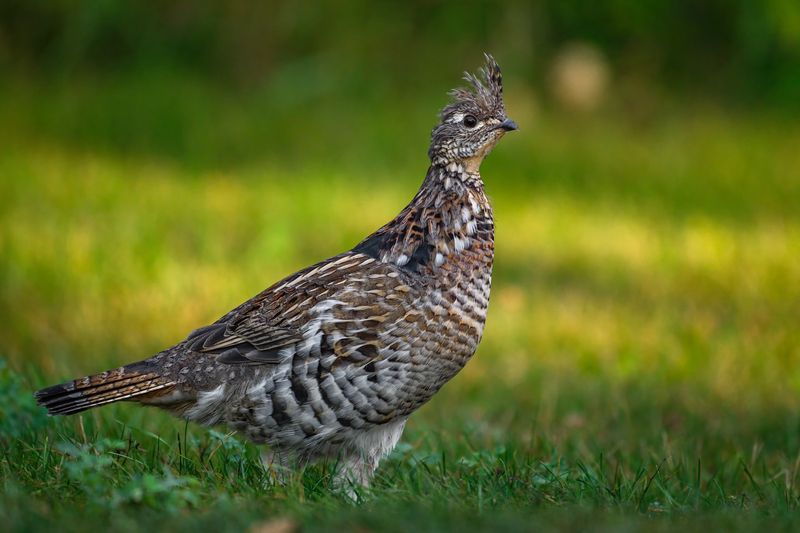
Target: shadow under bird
{"type": "Point", "coordinates": [331, 361]}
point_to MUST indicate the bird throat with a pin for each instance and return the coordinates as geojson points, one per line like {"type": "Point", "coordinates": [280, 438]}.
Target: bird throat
{"type": "Point", "coordinates": [472, 165]}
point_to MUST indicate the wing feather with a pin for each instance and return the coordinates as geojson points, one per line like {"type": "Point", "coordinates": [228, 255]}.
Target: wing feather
{"type": "Point", "coordinates": [271, 327]}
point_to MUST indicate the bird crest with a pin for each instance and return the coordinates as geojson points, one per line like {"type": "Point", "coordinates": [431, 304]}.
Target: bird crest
{"type": "Point", "coordinates": [485, 93]}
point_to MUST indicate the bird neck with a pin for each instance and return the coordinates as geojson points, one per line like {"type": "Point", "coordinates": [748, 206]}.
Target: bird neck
{"type": "Point", "coordinates": [449, 215]}
{"type": "Point", "coordinates": [453, 178]}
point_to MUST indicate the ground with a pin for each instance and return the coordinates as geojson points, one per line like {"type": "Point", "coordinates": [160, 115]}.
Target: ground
{"type": "Point", "coordinates": [640, 367]}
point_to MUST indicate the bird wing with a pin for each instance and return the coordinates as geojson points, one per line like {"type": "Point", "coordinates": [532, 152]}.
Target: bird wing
{"type": "Point", "coordinates": [340, 306]}
{"type": "Point", "coordinates": [231, 346]}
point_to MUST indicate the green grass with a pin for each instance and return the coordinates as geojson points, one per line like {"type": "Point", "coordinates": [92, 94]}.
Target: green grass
{"type": "Point", "coordinates": [640, 367]}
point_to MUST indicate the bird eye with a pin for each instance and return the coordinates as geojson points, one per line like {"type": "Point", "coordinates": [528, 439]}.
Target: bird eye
{"type": "Point", "coordinates": [470, 121]}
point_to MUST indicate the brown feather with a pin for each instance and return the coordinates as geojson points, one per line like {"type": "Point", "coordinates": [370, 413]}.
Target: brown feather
{"type": "Point", "coordinates": [99, 389]}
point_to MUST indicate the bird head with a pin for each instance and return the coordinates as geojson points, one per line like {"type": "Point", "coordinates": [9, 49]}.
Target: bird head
{"type": "Point", "coordinates": [473, 122]}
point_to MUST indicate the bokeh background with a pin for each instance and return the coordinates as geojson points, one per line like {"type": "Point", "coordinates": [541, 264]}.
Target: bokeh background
{"type": "Point", "coordinates": [160, 162]}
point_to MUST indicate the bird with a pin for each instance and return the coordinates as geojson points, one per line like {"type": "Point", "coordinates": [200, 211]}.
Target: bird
{"type": "Point", "coordinates": [329, 363]}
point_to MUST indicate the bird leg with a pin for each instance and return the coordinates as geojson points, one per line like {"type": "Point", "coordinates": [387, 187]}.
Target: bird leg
{"type": "Point", "coordinates": [278, 465]}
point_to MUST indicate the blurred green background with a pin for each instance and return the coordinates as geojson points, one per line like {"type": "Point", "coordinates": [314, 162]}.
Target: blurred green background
{"type": "Point", "coordinates": [160, 162]}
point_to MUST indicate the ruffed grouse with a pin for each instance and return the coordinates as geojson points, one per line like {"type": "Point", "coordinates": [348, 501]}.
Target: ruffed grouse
{"type": "Point", "coordinates": [330, 362]}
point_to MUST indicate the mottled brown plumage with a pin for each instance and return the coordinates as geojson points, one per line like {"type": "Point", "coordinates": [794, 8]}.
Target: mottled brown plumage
{"type": "Point", "coordinates": [331, 361]}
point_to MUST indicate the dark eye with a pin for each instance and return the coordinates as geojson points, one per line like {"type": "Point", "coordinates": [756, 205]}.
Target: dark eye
{"type": "Point", "coordinates": [470, 121]}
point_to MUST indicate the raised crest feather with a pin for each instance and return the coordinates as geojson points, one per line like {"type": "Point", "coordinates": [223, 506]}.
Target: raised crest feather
{"type": "Point", "coordinates": [486, 90]}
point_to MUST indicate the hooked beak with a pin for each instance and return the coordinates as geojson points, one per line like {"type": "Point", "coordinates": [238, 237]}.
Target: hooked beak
{"type": "Point", "coordinates": [508, 125]}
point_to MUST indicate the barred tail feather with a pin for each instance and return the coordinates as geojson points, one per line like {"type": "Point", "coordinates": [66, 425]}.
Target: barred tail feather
{"type": "Point", "coordinates": [123, 383]}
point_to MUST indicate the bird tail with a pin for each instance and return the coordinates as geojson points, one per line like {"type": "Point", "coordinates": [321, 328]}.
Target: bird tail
{"type": "Point", "coordinates": [125, 383]}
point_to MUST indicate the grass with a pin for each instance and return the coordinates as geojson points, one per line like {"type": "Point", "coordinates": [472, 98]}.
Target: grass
{"type": "Point", "coordinates": [640, 368]}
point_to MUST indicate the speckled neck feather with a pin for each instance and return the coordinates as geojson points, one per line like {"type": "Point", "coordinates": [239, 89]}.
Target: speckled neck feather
{"type": "Point", "coordinates": [449, 214]}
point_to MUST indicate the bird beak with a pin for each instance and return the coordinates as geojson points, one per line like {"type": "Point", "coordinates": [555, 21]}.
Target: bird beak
{"type": "Point", "coordinates": [508, 125]}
